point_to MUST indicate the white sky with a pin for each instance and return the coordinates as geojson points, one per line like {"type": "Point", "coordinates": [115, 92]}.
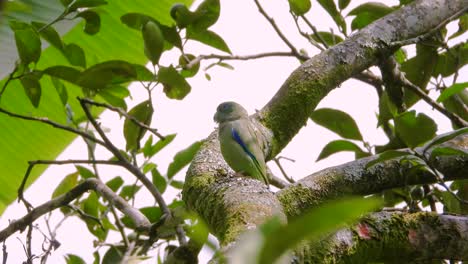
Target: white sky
{"type": "Point", "coordinates": [251, 84]}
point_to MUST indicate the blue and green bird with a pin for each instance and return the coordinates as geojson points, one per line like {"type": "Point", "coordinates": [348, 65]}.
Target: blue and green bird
{"type": "Point", "coordinates": [239, 144]}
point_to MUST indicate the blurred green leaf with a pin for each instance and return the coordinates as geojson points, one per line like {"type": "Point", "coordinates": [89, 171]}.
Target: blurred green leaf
{"type": "Point", "coordinates": [93, 21]}
{"type": "Point", "coordinates": [387, 110]}
{"type": "Point", "coordinates": [206, 14]}
{"type": "Point", "coordinates": [66, 73]}
{"type": "Point", "coordinates": [106, 73]}
{"type": "Point", "coordinates": [61, 90]}
{"type": "Point", "coordinates": [338, 122]}
{"type": "Point", "coordinates": [49, 34]}
{"type": "Point", "coordinates": [447, 151]}
{"type": "Point", "coordinates": [299, 7]}
{"type": "Point", "coordinates": [182, 159]}
{"type": "Point", "coordinates": [115, 183]}
{"type": "Point", "coordinates": [209, 38]}
{"type": "Point", "coordinates": [128, 191]}
{"type": "Point", "coordinates": [175, 86]}
{"type": "Point", "coordinates": [85, 172]}
{"type": "Point", "coordinates": [177, 184]}
{"type": "Point", "coordinates": [133, 133]}
{"type": "Point", "coordinates": [74, 259]}
{"type": "Point", "coordinates": [75, 55]}
{"type": "Point", "coordinates": [330, 7]}
{"type": "Point", "coordinates": [452, 60]}
{"type": "Point", "coordinates": [454, 89]}
{"type": "Point", "coordinates": [182, 15]}
{"type": "Point", "coordinates": [153, 40]}
{"type": "Point", "coordinates": [414, 129]}
{"type": "Point", "coordinates": [462, 26]}
{"type": "Point", "coordinates": [342, 4]}
{"type": "Point", "coordinates": [150, 150]}
{"type": "Point", "coordinates": [158, 180]}
{"type": "Point", "coordinates": [184, 60]}
{"type": "Point", "coordinates": [152, 213]}
{"type": "Point", "coordinates": [368, 13]}
{"type": "Point", "coordinates": [312, 225]}
{"type": "Point", "coordinates": [66, 184]}
{"type": "Point", "coordinates": [28, 43]}
{"type": "Point", "coordinates": [113, 255]}
{"type": "Point", "coordinates": [338, 146]}
{"type": "Point", "coordinates": [329, 38]}
{"type": "Point", "coordinates": [32, 87]}
{"type": "Point", "coordinates": [445, 137]}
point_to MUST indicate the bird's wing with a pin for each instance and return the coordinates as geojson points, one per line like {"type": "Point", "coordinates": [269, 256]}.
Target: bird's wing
{"type": "Point", "coordinates": [250, 146]}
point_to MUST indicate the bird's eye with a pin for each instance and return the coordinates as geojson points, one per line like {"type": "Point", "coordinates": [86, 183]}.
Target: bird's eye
{"type": "Point", "coordinates": [226, 107]}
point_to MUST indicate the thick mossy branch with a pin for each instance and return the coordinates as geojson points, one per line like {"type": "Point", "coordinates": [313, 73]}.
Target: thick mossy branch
{"type": "Point", "coordinates": [289, 109]}
{"type": "Point", "coordinates": [231, 205]}
{"type": "Point", "coordinates": [392, 236]}
{"type": "Point", "coordinates": [353, 178]}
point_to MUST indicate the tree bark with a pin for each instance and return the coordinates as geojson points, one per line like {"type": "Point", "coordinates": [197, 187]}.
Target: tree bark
{"type": "Point", "coordinates": [231, 205]}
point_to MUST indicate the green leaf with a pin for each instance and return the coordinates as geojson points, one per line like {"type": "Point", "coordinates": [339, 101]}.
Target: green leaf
{"type": "Point", "coordinates": [447, 151]}
{"type": "Point", "coordinates": [454, 89]}
{"type": "Point", "coordinates": [74, 259]}
{"type": "Point", "coordinates": [158, 180]}
{"type": "Point", "coordinates": [182, 159]}
{"type": "Point", "coordinates": [451, 61]}
{"type": "Point", "coordinates": [329, 38]}
{"type": "Point", "coordinates": [312, 225]}
{"type": "Point", "coordinates": [338, 122]}
{"type": "Point", "coordinates": [137, 20]}
{"type": "Point", "coordinates": [445, 137]}
{"type": "Point", "coordinates": [462, 26]}
{"type": "Point", "coordinates": [414, 129]}
{"type": "Point", "coordinates": [150, 150]}
{"type": "Point", "coordinates": [75, 55]}
{"type": "Point", "coordinates": [143, 73]}
{"type": "Point", "coordinates": [177, 184]}
{"type": "Point", "coordinates": [182, 15]}
{"type": "Point", "coordinates": [115, 183]}
{"type": "Point", "coordinates": [115, 95]}
{"type": "Point", "coordinates": [128, 191]}
{"type": "Point", "coordinates": [49, 34]}
{"type": "Point", "coordinates": [133, 133]}
{"type": "Point", "coordinates": [66, 73]}
{"type": "Point", "coordinates": [69, 182]}
{"type": "Point", "coordinates": [85, 3]}
{"type": "Point", "coordinates": [184, 60]}
{"type": "Point", "coordinates": [342, 4]}
{"type": "Point", "coordinates": [387, 155]}
{"type": "Point", "coordinates": [330, 7]}
{"type": "Point", "coordinates": [206, 14]}
{"type": "Point", "coordinates": [85, 172]}
{"type": "Point", "coordinates": [93, 21]}
{"type": "Point", "coordinates": [32, 88]}
{"type": "Point", "coordinates": [338, 146]}
{"type": "Point", "coordinates": [90, 207]}
{"type": "Point", "coordinates": [61, 90]}
{"type": "Point", "coordinates": [368, 13]}
{"type": "Point", "coordinates": [299, 7]}
{"type": "Point", "coordinates": [387, 110]}
{"type": "Point", "coordinates": [28, 44]}
{"type": "Point", "coordinates": [153, 214]}
{"type": "Point", "coordinates": [175, 86]}
{"type": "Point", "coordinates": [153, 40]}
{"type": "Point", "coordinates": [103, 74]}
{"type": "Point", "coordinates": [113, 255]}
{"type": "Point", "coordinates": [209, 38]}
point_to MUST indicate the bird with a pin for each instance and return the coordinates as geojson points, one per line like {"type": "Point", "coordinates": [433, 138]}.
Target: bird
{"type": "Point", "coordinates": [240, 146]}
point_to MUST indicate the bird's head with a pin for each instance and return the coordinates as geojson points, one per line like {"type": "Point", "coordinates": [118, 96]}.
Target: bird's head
{"type": "Point", "coordinates": [229, 111]}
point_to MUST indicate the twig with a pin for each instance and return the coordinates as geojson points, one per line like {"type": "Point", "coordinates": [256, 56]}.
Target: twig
{"type": "Point", "coordinates": [45, 120]}
{"type": "Point", "coordinates": [141, 222]}
{"type": "Point", "coordinates": [124, 113]}
{"type": "Point", "coordinates": [238, 57]}
{"type": "Point", "coordinates": [306, 35]}
{"type": "Point", "coordinates": [5, 253]}
{"type": "Point", "coordinates": [316, 33]}
{"type": "Point", "coordinates": [408, 84]}
{"type": "Point", "coordinates": [280, 34]}
{"type": "Point", "coordinates": [430, 32]}
{"type": "Point", "coordinates": [58, 162]}
{"type": "Point", "coordinates": [285, 175]}
{"type": "Point", "coordinates": [134, 170]}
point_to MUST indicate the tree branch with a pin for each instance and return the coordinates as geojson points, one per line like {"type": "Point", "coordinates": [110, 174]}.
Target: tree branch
{"type": "Point", "coordinates": [141, 222]}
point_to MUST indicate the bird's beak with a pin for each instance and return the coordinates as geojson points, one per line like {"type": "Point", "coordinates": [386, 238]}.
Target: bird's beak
{"type": "Point", "coordinates": [215, 117]}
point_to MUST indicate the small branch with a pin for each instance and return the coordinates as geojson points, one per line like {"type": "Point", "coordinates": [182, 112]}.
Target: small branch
{"type": "Point", "coordinates": [280, 34]}
{"type": "Point", "coordinates": [131, 168]}
{"type": "Point", "coordinates": [285, 175]}
{"type": "Point", "coordinates": [238, 57]}
{"type": "Point", "coordinates": [57, 162]}
{"type": "Point", "coordinates": [124, 113]}
{"type": "Point", "coordinates": [430, 32]}
{"type": "Point", "coordinates": [305, 34]}
{"type": "Point", "coordinates": [141, 222]}
{"type": "Point", "coordinates": [45, 120]}
{"type": "Point", "coordinates": [400, 77]}
{"type": "Point", "coordinates": [316, 33]}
